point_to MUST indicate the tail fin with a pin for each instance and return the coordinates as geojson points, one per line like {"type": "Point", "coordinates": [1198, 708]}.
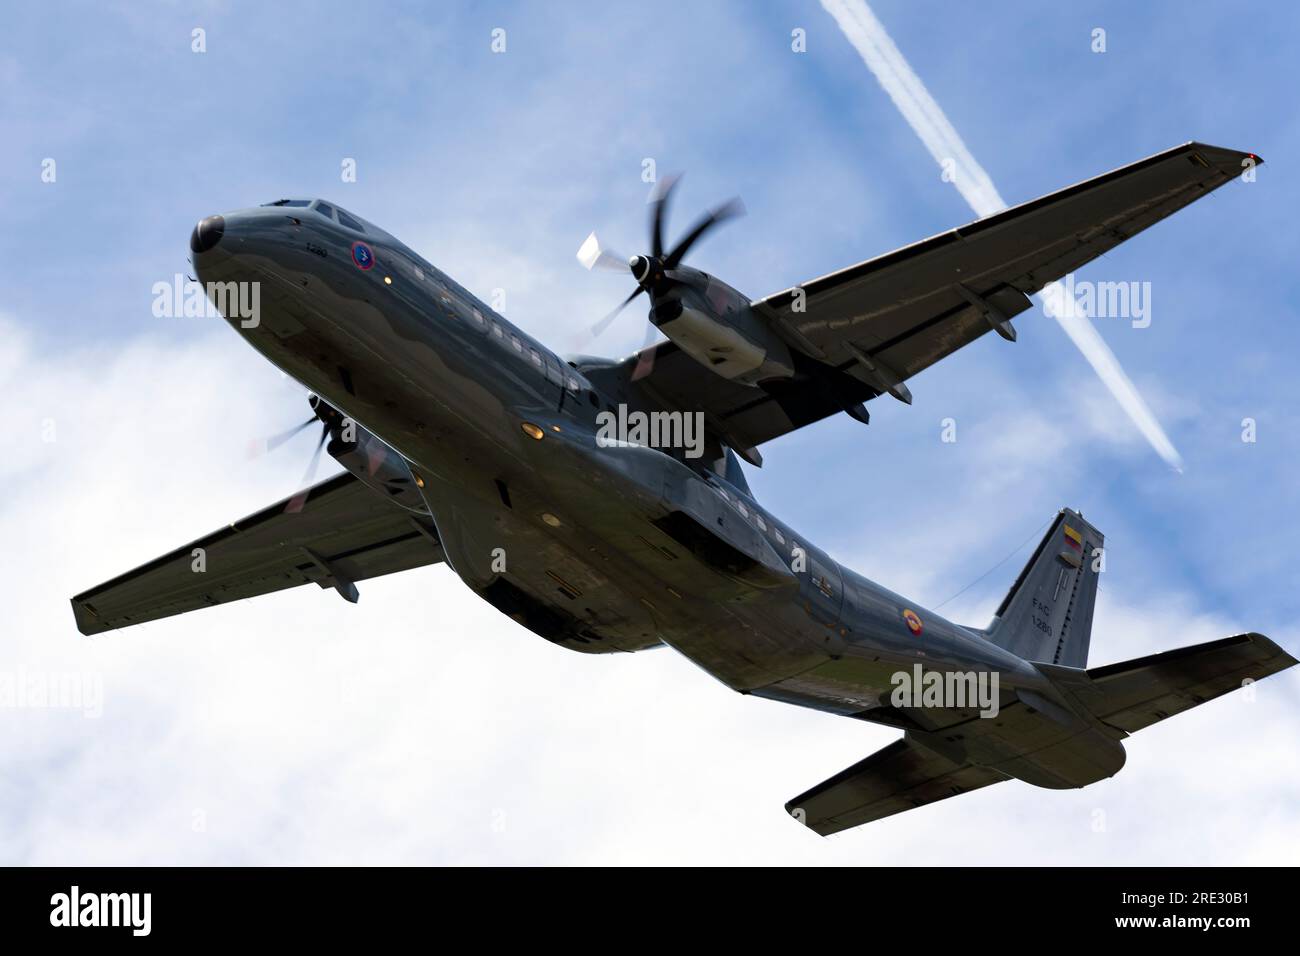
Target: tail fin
{"type": "Point", "coordinates": [1047, 614]}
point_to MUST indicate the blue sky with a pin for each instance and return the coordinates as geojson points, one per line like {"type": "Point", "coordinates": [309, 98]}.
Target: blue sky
{"type": "Point", "coordinates": [495, 167]}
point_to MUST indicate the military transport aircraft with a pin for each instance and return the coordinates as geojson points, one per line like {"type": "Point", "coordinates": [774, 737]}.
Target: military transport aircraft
{"type": "Point", "coordinates": [467, 442]}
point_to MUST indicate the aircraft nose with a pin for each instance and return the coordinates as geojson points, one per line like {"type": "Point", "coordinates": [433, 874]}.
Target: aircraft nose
{"type": "Point", "coordinates": [207, 233]}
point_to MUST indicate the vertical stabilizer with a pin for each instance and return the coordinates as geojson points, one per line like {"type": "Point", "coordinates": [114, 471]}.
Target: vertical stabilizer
{"type": "Point", "coordinates": [1047, 614]}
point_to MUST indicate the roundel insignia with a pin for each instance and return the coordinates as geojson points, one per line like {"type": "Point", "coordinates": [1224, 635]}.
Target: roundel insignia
{"type": "Point", "coordinates": [362, 256]}
{"type": "Point", "coordinates": [913, 621]}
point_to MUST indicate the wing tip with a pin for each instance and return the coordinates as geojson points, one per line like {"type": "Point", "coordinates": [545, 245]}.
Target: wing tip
{"type": "Point", "coordinates": [823, 828]}
{"type": "Point", "coordinates": [1278, 654]}
{"type": "Point", "coordinates": [1223, 156]}
{"type": "Point", "coordinates": [88, 622]}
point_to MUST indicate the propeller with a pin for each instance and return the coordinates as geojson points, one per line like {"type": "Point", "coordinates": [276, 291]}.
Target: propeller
{"type": "Point", "coordinates": [310, 474]}
{"type": "Point", "coordinates": [330, 420]}
{"type": "Point", "coordinates": [259, 447]}
{"type": "Point", "coordinates": [653, 272]}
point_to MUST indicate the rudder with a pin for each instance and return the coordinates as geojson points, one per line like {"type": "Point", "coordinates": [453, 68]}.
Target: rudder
{"type": "Point", "coordinates": [1047, 615]}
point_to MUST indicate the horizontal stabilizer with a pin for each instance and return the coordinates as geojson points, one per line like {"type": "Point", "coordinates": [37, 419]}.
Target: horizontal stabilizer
{"type": "Point", "coordinates": [902, 776]}
{"type": "Point", "coordinates": [1135, 694]}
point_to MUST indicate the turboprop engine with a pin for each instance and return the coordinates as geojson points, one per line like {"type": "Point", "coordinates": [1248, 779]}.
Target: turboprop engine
{"type": "Point", "coordinates": [705, 317]}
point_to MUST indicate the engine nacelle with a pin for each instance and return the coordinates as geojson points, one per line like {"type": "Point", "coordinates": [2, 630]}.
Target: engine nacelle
{"type": "Point", "coordinates": [380, 467]}
{"type": "Point", "coordinates": [369, 459]}
{"type": "Point", "coordinates": [713, 323]}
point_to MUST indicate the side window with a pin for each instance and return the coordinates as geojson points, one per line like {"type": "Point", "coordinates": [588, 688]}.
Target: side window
{"type": "Point", "coordinates": [554, 371]}
{"type": "Point", "coordinates": [411, 264]}
{"type": "Point", "coordinates": [346, 220]}
{"type": "Point", "coordinates": [537, 357]}
{"type": "Point", "coordinates": [325, 209]}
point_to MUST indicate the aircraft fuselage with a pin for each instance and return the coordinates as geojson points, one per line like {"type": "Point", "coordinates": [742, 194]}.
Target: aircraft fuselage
{"type": "Point", "coordinates": [596, 548]}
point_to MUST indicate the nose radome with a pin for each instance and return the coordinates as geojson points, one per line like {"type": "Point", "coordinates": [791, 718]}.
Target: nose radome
{"type": "Point", "coordinates": [207, 233]}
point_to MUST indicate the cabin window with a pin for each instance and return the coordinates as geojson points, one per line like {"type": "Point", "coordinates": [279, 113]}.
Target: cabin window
{"type": "Point", "coordinates": [519, 346]}
{"type": "Point", "coordinates": [478, 318]}
{"type": "Point", "coordinates": [537, 357]}
{"type": "Point", "coordinates": [496, 330]}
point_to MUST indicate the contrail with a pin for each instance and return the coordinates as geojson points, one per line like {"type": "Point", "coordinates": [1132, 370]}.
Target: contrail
{"type": "Point", "coordinates": [928, 121]}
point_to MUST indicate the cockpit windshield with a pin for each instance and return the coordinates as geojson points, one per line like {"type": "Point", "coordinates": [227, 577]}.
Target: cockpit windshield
{"type": "Point", "coordinates": [331, 212]}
